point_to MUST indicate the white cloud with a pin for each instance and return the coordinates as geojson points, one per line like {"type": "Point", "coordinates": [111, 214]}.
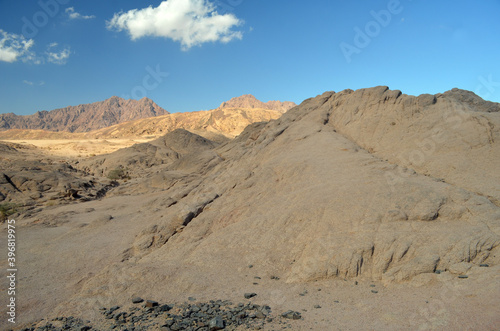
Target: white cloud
{"type": "Point", "coordinates": [191, 22]}
{"type": "Point", "coordinates": [77, 16]}
{"type": "Point", "coordinates": [14, 47]}
{"type": "Point", "coordinates": [30, 83]}
{"type": "Point", "coordinates": [57, 57]}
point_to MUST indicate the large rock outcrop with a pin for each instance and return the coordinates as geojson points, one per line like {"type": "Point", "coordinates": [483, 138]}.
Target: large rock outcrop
{"type": "Point", "coordinates": [369, 185]}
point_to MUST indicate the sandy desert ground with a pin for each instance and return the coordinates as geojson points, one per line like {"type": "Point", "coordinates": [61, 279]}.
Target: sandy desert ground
{"type": "Point", "coordinates": [78, 147]}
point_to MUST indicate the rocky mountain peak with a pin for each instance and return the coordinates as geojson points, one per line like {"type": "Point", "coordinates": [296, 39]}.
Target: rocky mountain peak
{"type": "Point", "coordinates": [249, 101]}
{"type": "Point", "coordinates": [84, 117]}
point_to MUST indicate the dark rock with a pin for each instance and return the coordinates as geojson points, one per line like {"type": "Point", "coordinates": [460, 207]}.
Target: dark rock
{"type": "Point", "coordinates": [112, 309]}
{"type": "Point", "coordinates": [169, 322]}
{"type": "Point", "coordinates": [165, 308]}
{"type": "Point", "coordinates": [294, 315]}
{"type": "Point", "coordinates": [260, 315]}
{"type": "Point", "coordinates": [137, 300]}
{"type": "Point", "coordinates": [241, 315]}
{"type": "Point", "coordinates": [463, 276]}
{"type": "Point", "coordinates": [217, 323]}
{"type": "Point", "coordinates": [265, 309]}
{"type": "Point", "coordinates": [317, 306]}
{"type": "Point", "coordinates": [484, 265]}
{"type": "Point", "coordinates": [250, 295]}
{"type": "Point", "coordinates": [151, 304]}
{"type": "Point", "coordinates": [176, 327]}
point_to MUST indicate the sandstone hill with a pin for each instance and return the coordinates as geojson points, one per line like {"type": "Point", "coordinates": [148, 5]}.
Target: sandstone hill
{"type": "Point", "coordinates": [217, 124]}
{"type": "Point", "coordinates": [384, 201]}
{"type": "Point", "coordinates": [135, 161]}
{"type": "Point", "coordinates": [249, 101]}
{"type": "Point", "coordinates": [84, 118]}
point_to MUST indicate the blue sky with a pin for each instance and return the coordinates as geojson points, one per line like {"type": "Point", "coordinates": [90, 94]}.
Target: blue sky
{"type": "Point", "coordinates": [190, 55]}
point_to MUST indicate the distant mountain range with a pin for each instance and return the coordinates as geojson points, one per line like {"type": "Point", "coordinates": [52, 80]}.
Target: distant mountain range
{"type": "Point", "coordinates": [86, 117]}
{"type": "Point", "coordinates": [115, 110]}
{"type": "Point", "coordinates": [119, 118]}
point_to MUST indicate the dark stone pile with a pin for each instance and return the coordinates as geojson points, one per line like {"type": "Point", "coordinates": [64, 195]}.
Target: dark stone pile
{"type": "Point", "coordinates": [63, 323]}
{"type": "Point", "coordinates": [213, 315]}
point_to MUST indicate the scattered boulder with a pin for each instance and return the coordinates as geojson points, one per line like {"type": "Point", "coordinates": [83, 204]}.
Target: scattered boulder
{"type": "Point", "coordinates": [290, 314]}
{"type": "Point", "coordinates": [217, 323]}
{"type": "Point", "coordinates": [137, 300]}
{"type": "Point", "coordinates": [151, 304]}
